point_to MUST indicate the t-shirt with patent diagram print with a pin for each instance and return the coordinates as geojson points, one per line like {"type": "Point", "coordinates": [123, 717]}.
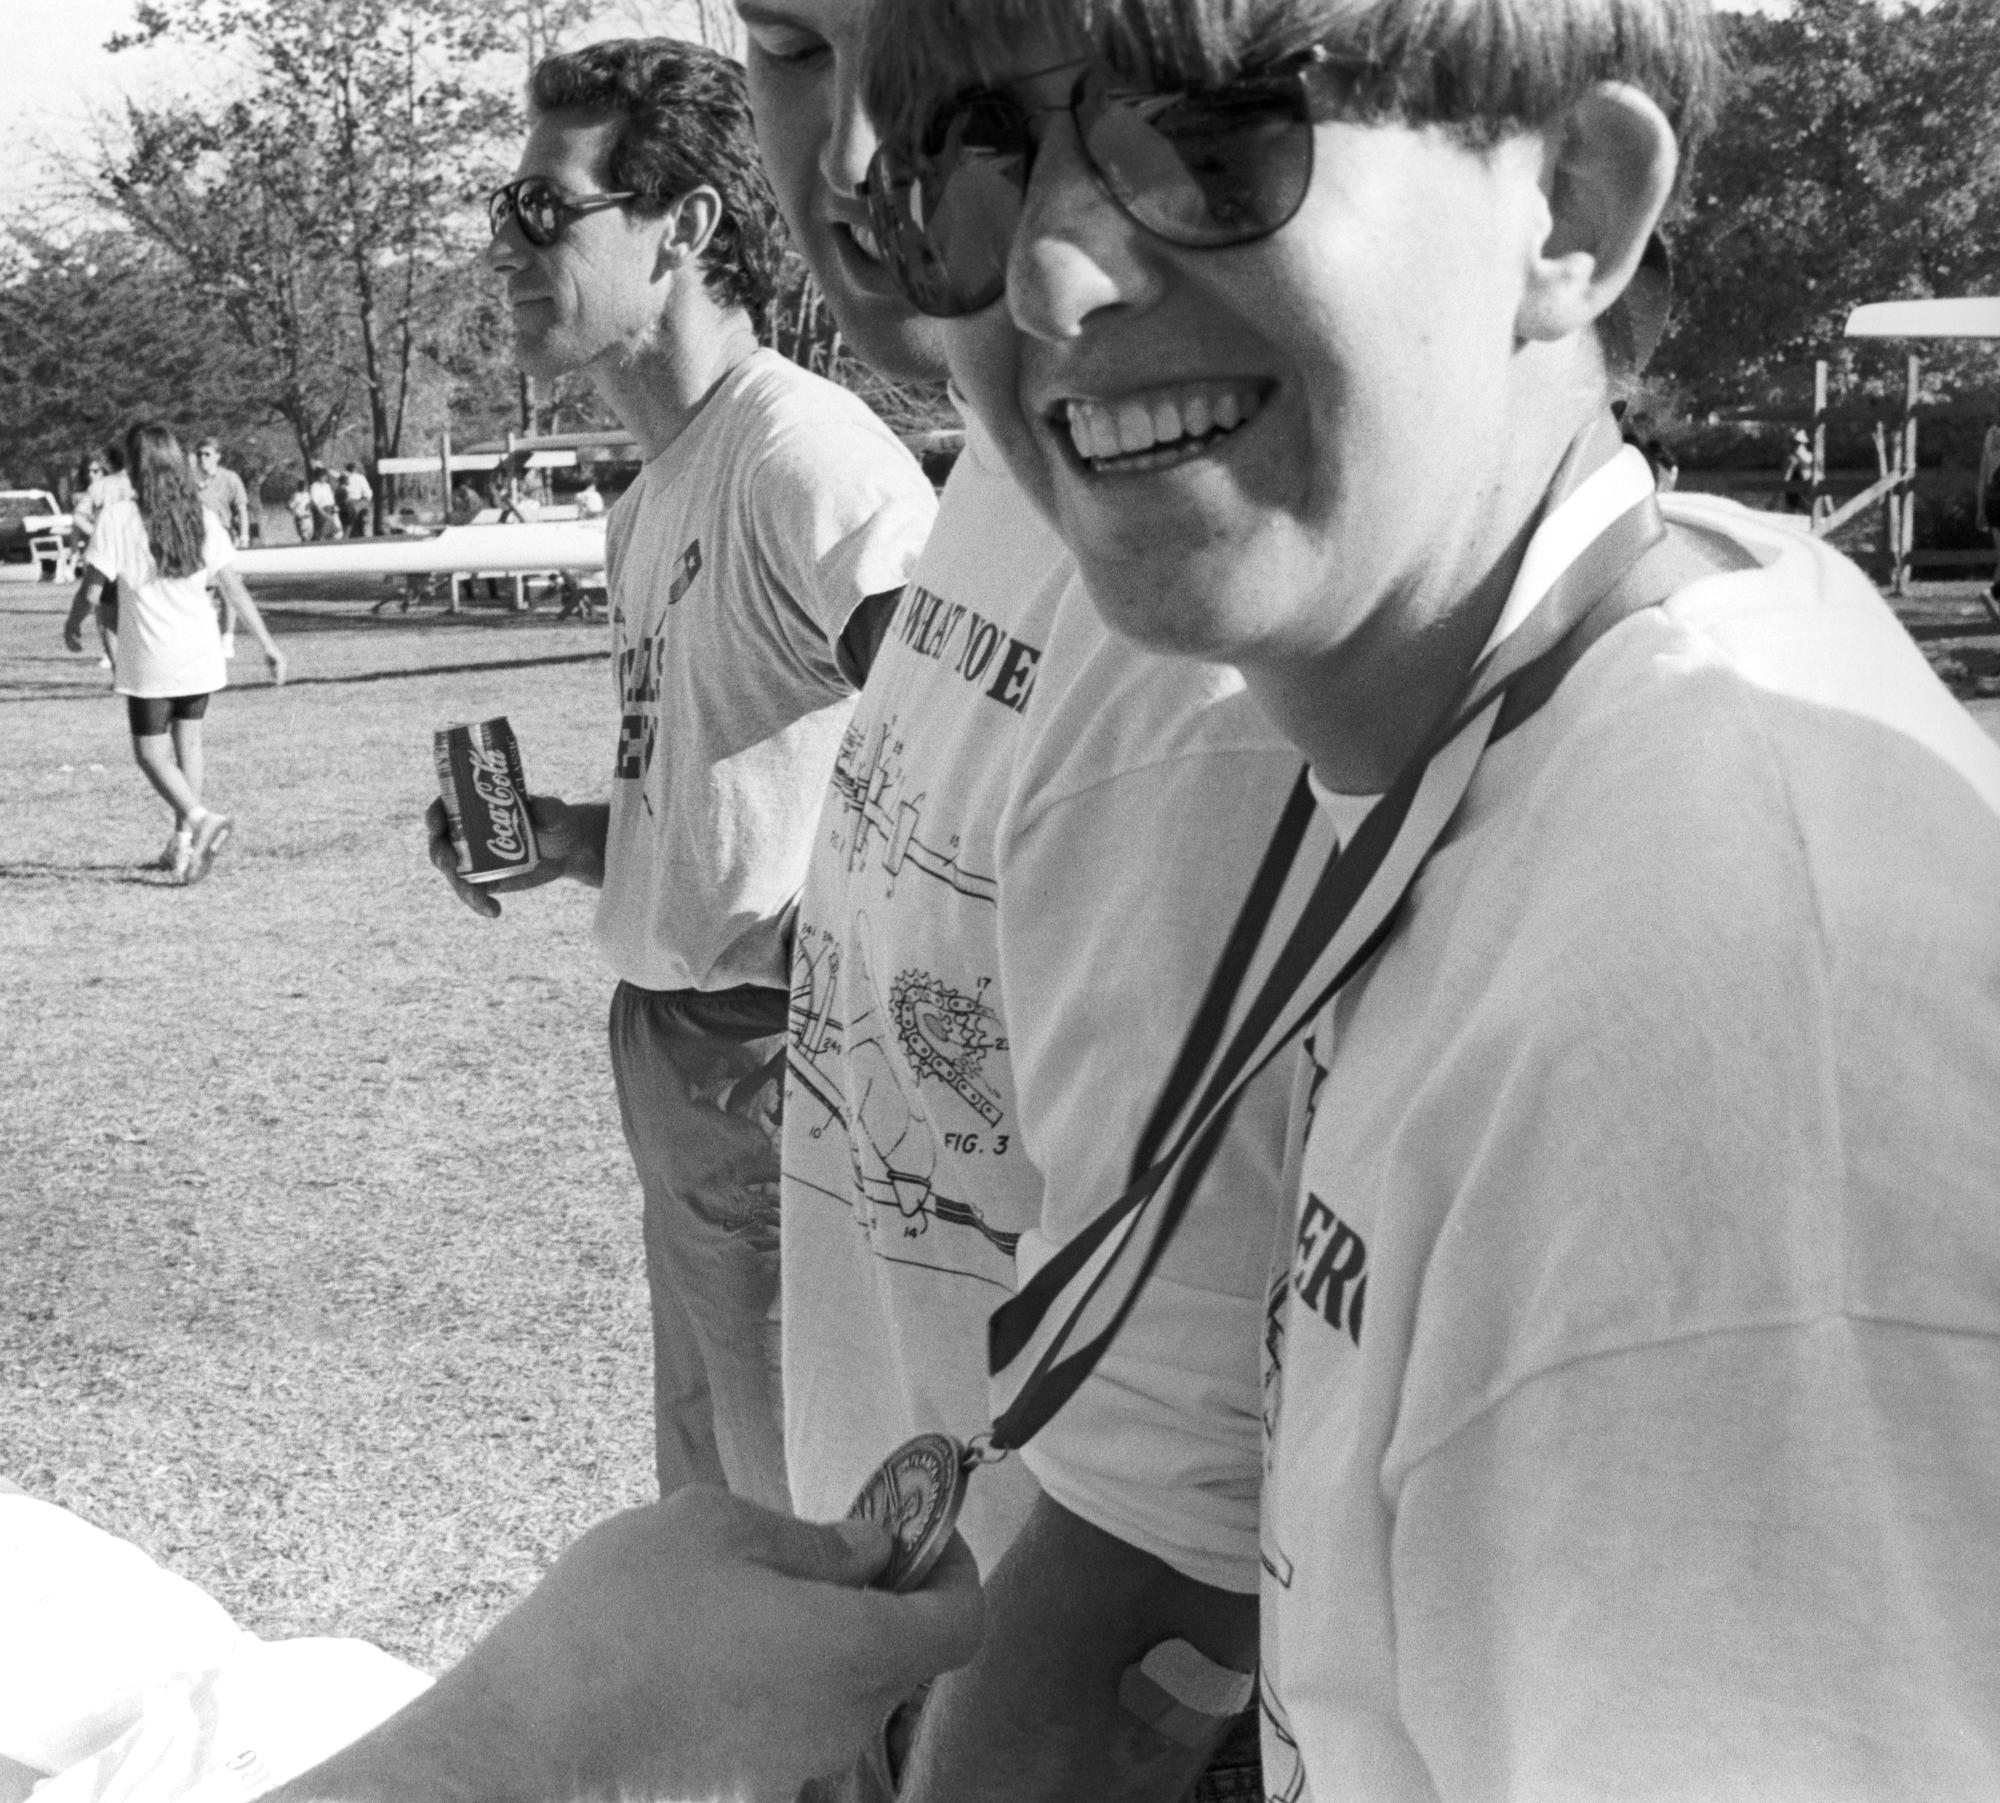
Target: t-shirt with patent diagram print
{"type": "Point", "coordinates": [906, 1185]}
{"type": "Point", "coordinates": [733, 564]}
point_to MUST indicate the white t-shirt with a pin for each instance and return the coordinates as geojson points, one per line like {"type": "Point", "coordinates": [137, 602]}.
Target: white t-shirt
{"type": "Point", "coordinates": [1145, 795]}
{"type": "Point", "coordinates": [113, 485]}
{"type": "Point", "coordinates": [906, 1185]}
{"type": "Point", "coordinates": [1635, 1351]}
{"type": "Point", "coordinates": [940, 887]}
{"type": "Point", "coordinates": [168, 642]}
{"type": "Point", "coordinates": [733, 564]}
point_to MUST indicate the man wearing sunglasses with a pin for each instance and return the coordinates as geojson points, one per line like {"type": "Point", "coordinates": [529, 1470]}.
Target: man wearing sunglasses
{"type": "Point", "coordinates": [774, 516]}
{"type": "Point", "coordinates": [964, 1075]}
{"type": "Point", "coordinates": [1634, 1338]}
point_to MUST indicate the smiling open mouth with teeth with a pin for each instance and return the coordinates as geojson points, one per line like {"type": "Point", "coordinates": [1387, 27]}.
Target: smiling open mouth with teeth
{"type": "Point", "coordinates": [1151, 431]}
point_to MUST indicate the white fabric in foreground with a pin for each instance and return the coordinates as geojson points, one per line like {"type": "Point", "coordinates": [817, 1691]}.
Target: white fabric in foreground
{"type": "Point", "coordinates": [122, 1683]}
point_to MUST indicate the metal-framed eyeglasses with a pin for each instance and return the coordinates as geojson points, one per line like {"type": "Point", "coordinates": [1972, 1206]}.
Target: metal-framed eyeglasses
{"type": "Point", "coordinates": [1200, 167]}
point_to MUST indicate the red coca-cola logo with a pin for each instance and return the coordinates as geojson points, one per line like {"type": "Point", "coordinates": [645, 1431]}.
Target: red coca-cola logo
{"type": "Point", "coordinates": [507, 818]}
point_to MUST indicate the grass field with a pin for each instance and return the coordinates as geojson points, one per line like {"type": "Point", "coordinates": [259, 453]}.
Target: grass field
{"type": "Point", "coordinates": [319, 1253]}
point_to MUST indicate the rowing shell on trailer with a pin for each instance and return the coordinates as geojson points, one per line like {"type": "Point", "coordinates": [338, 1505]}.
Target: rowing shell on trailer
{"type": "Point", "coordinates": [519, 547]}
{"type": "Point", "coordinates": [1967, 318]}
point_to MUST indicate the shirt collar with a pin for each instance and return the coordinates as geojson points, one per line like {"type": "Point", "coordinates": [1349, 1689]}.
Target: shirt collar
{"type": "Point", "coordinates": [1609, 490]}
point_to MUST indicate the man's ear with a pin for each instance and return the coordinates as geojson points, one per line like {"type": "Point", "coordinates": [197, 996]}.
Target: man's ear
{"type": "Point", "coordinates": [690, 222]}
{"type": "Point", "coordinates": [1609, 172]}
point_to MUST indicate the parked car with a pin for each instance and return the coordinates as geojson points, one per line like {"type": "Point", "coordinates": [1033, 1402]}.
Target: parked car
{"type": "Point", "coordinates": [26, 516]}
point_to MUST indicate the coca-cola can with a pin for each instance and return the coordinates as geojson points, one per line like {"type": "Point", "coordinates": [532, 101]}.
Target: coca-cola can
{"type": "Point", "coordinates": [486, 800]}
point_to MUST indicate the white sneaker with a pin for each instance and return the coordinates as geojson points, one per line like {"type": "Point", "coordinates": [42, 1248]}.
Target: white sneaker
{"type": "Point", "coordinates": [176, 852]}
{"type": "Point", "coordinates": [211, 834]}
{"type": "Point", "coordinates": [229, 644]}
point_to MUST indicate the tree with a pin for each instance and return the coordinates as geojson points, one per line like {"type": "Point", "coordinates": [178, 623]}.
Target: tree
{"type": "Point", "coordinates": [1857, 159]}
{"type": "Point", "coordinates": [101, 330]}
{"type": "Point", "coordinates": [327, 208]}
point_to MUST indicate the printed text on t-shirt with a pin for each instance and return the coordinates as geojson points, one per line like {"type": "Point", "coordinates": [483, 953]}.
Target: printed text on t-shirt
{"type": "Point", "coordinates": [1330, 1269]}
{"type": "Point", "coordinates": [640, 672]}
{"type": "Point", "coordinates": [976, 649]}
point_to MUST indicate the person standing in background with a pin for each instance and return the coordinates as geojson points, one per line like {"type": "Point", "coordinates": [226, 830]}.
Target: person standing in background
{"type": "Point", "coordinates": [774, 520]}
{"type": "Point", "coordinates": [1799, 473]}
{"type": "Point", "coordinates": [299, 505]}
{"type": "Point", "coordinates": [223, 494]}
{"type": "Point", "coordinates": [324, 503]}
{"type": "Point", "coordinates": [356, 500]}
{"type": "Point", "coordinates": [101, 479]}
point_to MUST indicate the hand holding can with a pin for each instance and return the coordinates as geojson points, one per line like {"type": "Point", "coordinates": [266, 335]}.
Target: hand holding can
{"type": "Point", "coordinates": [485, 798]}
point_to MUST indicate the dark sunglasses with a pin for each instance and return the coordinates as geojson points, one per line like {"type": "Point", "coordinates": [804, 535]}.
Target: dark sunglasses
{"type": "Point", "coordinates": [1199, 167]}
{"type": "Point", "coordinates": [542, 209]}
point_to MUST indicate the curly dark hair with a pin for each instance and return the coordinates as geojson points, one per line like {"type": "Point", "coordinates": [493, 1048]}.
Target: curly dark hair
{"type": "Point", "coordinates": [168, 501]}
{"type": "Point", "coordinates": [684, 123]}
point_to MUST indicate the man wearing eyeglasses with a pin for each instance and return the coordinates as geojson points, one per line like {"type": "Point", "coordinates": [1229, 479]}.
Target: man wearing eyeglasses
{"type": "Point", "coordinates": [774, 518]}
{"type": "Point", "coordinates": [1634, 1338]}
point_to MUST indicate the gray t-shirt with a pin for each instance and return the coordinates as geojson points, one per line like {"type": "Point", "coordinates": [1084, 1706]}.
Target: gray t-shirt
{"type": "Point", "coordinates": [733, 563]}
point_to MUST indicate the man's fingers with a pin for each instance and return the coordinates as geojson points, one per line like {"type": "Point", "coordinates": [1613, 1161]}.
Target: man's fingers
{"type": "Point", "coordinates": [554, 832]}
{"type": "Point", "coordinates": [445, 857]}
{"type": "Point", "coordinates": [921, 1633]}
{"type": "Point", "coordinates": [945, 1620]}
{"type": "Point", "coordinates": [846, 1553]}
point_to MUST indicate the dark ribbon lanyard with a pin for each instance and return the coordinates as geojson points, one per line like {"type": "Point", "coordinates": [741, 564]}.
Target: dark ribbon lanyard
{"type": "Point", "coordinates": [1083, 1295]}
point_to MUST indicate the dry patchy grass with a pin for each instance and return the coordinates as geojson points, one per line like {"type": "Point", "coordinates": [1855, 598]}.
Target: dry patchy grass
{"type": "Point", "coordinates": [319, 1255]}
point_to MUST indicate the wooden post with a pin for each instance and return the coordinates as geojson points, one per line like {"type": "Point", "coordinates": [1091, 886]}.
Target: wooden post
{"type": "Point", "coordinates": [1907, 541]}
{"type": "Point", "coordinates": [444, 514]}
{"type": "Point", "coordinates": [1882, 469]}
{"type": "Point", "coordinates": [1818, 442]}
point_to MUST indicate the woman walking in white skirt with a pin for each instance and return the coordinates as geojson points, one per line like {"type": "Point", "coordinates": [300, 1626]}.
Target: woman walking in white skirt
{"type": "Point", "coordinates": [162, 548]}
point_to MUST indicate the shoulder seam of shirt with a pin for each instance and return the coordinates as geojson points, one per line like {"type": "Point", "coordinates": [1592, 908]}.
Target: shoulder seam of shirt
{"type": "Point", "coordinates": [1488, 1405]}
{"type": "Point", "coordinates": [1048, 801]}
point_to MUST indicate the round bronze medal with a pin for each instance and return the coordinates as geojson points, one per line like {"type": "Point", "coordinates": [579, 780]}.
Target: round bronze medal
{"type": "Point", "coordinates": [916, 1493]}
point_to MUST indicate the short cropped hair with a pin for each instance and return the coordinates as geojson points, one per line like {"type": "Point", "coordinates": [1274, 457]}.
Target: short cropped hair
{"type": "Point", "coordinates": [684, 122]}
{"type": "Point", "coordinates": [1482, 69]}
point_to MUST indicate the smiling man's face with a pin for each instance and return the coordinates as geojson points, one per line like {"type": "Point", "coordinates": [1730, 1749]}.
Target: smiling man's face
{"type": "Point", "coordinates": [1258, 452]}
{"type": "Point", "coordinates": [803, 69]}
